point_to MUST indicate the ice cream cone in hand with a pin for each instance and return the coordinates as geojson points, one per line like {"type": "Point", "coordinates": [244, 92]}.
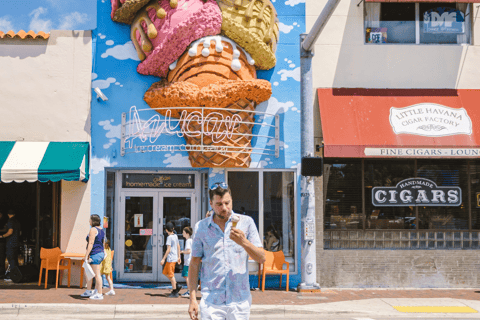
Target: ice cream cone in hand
{"type": "Point", "coordinates": [235, 220]}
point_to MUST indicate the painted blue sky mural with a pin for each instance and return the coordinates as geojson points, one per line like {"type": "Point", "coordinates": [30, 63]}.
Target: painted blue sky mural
{"type": "Point", "coordinates": [114, 72]}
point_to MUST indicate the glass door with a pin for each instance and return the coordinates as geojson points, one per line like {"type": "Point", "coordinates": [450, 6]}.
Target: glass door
{"type": "Point", "coordinates": [178, 209]}
{"type": "Point", "coordinates": [138, 234]}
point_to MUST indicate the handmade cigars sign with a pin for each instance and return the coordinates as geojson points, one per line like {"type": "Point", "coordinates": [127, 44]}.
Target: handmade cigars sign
{"type": "Point", "coordinates": [416, 192]}
{"type": "Point", "coordinates": [430, 120]}
{"type": "Point", "coordinates": [206, 53]}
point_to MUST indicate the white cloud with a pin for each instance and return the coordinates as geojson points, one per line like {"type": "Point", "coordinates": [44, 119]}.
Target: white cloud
{"type": "Point", "coordinates": [112, 131]}
{"type": "Point", "coordinates": [285, 74]}
{"type": "Point", "coordinates": [6, 24]}
{"type": "Point", "coordinates": [273, 106]}
{"type": "Point", "coordinates": [281, 144]}
{"type": "Point", "coordinates": [109, 42]}
{"type": "Point", "coordinates": [177, 160]}
{"type": "Point", "coordinates": [72, 20]}
{"type": "Point", "coordinates": [260, 164]}
{"type": "Point", "coordinates": [103, 84]}
{"type": "Point", "coordinates": [217, 171]}
{"type": "Point", "coordinates": [97, 165]}
{"type": "Point", "coordinates": [284, 27]}
{"type": "Point", "coordinates": [94, 76]}
{"type": "Point", "coordinates": [37, 24]}
{"type": "Point", "coordinates": [122, 52]}
{"type": "Point", "coordinates": [292, 3]}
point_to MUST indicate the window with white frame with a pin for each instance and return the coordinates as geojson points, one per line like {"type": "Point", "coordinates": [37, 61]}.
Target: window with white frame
{"type": "Point", "coordinates": [269, 198]}
{"type": "Point", "coordinates": [417, 23]}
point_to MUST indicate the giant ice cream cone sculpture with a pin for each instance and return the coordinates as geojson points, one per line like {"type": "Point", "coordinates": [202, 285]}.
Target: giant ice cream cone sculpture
{"type": "Point", "coordinates": [214, 73]}
{"type": "Point", "coordinates": [210, 81]}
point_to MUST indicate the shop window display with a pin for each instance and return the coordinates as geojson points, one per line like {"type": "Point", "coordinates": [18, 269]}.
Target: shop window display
{"type": "Point", "coordinates": [401, 226]}
{"type": "Point", "coordinates": [417, 23]}
{"type": "Point", "coordinates": [387, 174]}
{"type": "Point", "coordinates": [342, 201]}
{"type": "Point", "coordinates": [276, 218]}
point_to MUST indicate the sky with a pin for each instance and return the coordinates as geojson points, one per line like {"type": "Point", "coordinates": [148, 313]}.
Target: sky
{"type": "Point", "coordinates": [46, 15]}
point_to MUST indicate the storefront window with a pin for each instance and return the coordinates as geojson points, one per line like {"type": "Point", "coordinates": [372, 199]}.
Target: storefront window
{"type": "Point", "coordinates": [444, 173]}
{"type": "Point", "coordinates": [420, 23]}
{"type": "Point", "coordinates": [244, 186]}
{"type": "Point", "coordinates": [440, 210]}
{"type": "Point", "coordinates": [380, 173]}
{"type": "Point", "coordinates": [279, 213]}
{"type": "Point", "coordinates": [110, 207]}
{"type": "Point", "coordinates": [474, 171]}
{"type": "Point", "coordinates": [276, 218]}
{"type": "Point", "coordinates": [342, 201]}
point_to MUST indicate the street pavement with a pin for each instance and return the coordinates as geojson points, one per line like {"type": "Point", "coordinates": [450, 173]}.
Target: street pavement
{"type": "Point", "coordinates": [29, 301]}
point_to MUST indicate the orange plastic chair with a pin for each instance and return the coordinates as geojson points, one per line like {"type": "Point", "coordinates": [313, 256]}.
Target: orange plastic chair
{"type": "Point", "coordinates": [51, 260]}
{"type": "Point", "coordinates": [274, 265]}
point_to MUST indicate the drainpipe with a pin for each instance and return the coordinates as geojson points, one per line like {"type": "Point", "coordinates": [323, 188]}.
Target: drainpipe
{"type": "Point", "coordinates": [307, 42]}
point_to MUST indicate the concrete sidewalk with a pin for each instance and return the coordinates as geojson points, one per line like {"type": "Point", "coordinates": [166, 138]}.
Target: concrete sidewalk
{"type": "Point", "coordinates": [28, 301]}
{"type": "Point", "coordinates": [369, 308]}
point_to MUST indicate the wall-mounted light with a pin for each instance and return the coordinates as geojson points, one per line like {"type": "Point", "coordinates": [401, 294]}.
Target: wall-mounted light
{"type": "Point", "coordinates": [100, 94]}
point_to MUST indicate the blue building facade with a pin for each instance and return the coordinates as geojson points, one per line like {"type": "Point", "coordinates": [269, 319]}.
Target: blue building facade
{"type": "Point", "coordinates": [142, 175]}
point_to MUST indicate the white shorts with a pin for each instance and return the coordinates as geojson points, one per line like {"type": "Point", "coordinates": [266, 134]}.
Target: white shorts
{"type": "Point", "coordinates": [238, 311]}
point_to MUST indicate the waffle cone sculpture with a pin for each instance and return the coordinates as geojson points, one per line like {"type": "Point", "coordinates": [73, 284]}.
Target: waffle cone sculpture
{"type": "Point", "coordinates": [214, 73]}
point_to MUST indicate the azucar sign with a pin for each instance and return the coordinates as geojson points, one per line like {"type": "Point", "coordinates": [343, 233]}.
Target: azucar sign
{"type": "Point", "coordinates": [416, 192]}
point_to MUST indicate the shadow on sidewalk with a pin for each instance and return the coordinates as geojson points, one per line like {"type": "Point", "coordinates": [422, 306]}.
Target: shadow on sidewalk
{"type": "Point", "coordinates": [77, 297]}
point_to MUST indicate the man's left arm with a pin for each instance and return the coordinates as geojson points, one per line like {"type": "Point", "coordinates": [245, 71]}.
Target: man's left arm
{"type": "Point", "coordinates": [252, 244]}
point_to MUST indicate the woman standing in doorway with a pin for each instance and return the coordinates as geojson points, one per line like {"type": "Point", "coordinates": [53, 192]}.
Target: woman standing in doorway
{"type": "Point", "coordinates": [95, 255]}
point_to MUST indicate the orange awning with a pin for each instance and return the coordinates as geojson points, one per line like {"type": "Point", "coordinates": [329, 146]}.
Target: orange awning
{"type": "Point", "coordinates": [359, 123]}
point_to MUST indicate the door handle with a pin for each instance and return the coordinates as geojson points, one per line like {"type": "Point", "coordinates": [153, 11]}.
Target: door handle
{"type": "Point", "coordinates": [160, 240]}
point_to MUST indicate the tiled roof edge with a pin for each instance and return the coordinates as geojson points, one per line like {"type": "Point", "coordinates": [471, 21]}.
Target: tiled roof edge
{"type": "Point", "coordinates": [24, 35]}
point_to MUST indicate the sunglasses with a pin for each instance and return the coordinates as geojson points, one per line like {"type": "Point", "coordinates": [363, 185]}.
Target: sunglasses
{"type": "Point", "coordinates": [216, 185]}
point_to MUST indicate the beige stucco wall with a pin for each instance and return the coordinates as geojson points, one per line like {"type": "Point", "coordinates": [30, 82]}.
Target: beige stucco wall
{"type": "Point", "coordinates": [45, 87]}
{"type": "Point", "coordinates": [342, 59]}
{"type": "Point", "coordinates": [45, 92]}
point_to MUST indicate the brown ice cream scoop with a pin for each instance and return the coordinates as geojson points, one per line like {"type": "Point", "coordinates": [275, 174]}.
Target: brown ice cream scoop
{"type": "Point", "coordinates": [124, 11]}
{"type": "Point", "coordinates": [211, 59]}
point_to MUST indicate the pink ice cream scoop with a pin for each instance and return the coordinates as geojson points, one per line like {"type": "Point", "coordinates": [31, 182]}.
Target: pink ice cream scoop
{"type": "Point", "coordinates": [162, 32]}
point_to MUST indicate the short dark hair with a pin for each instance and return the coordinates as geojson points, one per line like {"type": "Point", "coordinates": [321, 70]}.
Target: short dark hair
{"type": "Point", "coordinates": [11, 212]}
{"type": "Point", "coordinates": [188, 230]}
{"type": "Point", "coordinates": [219, 191]}
{"type": "Point", "coordinates": [170, 227]}
{"type": "Point", "coordinates": [95, 220]}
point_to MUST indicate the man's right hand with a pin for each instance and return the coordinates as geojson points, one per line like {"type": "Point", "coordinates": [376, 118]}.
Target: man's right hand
{"type": "Point", "coordinates": [193, 309]}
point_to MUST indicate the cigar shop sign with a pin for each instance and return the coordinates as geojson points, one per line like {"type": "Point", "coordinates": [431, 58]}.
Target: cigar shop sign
{"type": "Point", "coordinates": [417, 192]}
{"type": "Point", "coordinates": [430, 120]}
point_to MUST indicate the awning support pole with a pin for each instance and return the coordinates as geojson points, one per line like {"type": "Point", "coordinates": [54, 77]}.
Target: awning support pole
{"type": "Point", "coordinates": [309, 252]}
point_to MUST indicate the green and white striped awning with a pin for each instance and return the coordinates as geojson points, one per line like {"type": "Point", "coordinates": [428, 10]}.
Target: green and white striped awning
{"type": "Point", "coordinates": [43, 161]}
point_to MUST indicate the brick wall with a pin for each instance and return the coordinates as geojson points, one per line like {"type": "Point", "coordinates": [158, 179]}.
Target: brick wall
{"type": "Point", "coordinates": [398, 268]}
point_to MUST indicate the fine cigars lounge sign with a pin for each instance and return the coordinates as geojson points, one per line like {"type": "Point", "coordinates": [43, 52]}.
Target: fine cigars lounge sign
{"type": "Point", "coordinates": [165, 181]}
{"type": "Point", "coordinates": [416, 192]}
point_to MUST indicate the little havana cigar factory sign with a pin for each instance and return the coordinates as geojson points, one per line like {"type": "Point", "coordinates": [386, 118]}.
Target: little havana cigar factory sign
{"type": "Point", "coordinates": [416, 192]}
{"type": "Point", "coordinates": [430, 120]}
